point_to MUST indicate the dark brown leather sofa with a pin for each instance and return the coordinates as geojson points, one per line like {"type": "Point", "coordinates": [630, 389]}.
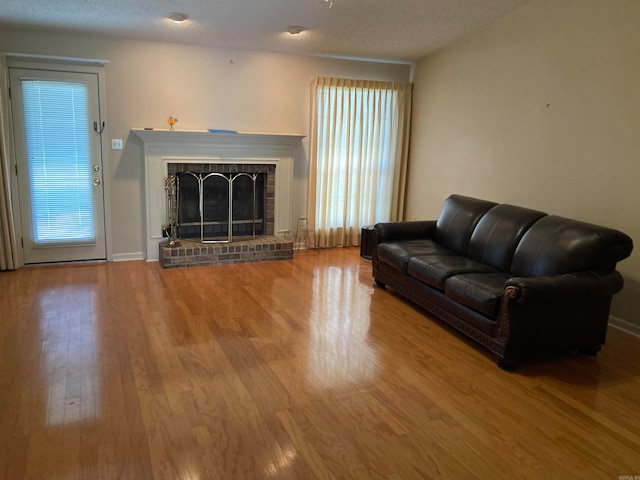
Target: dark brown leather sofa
{"type": "Point", "coordinates": [518, 281]}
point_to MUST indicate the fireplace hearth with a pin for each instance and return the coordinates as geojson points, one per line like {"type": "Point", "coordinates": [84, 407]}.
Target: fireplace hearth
{"type": "Point", "coordinates": [243, 250]}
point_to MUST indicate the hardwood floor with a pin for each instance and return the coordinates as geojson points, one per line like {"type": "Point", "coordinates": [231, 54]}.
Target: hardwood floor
{"type": "Point", "coordinates": [295, 369]}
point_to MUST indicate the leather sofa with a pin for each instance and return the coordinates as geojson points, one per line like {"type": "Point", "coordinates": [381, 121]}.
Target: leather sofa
{"type": "Point", "coordinates": [518, 281]}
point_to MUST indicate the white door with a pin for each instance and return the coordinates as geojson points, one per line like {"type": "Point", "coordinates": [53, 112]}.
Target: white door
{"type": "Point", "coordinates": [58, 152]}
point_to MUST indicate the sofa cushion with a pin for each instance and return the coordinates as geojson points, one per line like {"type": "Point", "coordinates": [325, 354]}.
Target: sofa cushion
{"type": "Point", "coordinates": [457, 220]}
{"type": "Point", "coordinates": [478, 291]}
{"type": "Point", "coordinates": [498, 233]}
{"type": "Point", "coordinates": [556, 245]}
{"type": "Point", "coordinates": [397, 254]}
{"type": "Point", "coordinates": [434, 269]}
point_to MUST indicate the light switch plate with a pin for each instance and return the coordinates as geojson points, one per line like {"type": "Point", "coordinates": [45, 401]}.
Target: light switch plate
{"type": "Point", "coordinates": [116, 144]}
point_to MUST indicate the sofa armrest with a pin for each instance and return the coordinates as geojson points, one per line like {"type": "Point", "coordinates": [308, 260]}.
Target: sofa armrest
{"type": "Point", "coordinates": [565, 287]}
{"type": "Point", "coordinates": [386, 232]}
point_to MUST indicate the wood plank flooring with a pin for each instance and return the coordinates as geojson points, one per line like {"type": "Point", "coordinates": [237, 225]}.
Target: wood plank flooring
{"type": "Point", "coordinates": [294, 369]}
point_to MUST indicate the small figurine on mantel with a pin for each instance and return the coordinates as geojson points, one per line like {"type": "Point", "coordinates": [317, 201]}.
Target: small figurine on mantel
{"type": "Point", "coordinates": [172, 121]}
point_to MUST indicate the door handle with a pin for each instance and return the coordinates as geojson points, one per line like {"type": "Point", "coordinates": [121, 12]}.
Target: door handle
{"type": "Point", "coordinates": [96, 182]}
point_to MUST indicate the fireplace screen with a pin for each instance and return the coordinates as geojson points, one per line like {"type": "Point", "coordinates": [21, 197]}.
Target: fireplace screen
{"type": "Point", "coordinates": [215, 207]}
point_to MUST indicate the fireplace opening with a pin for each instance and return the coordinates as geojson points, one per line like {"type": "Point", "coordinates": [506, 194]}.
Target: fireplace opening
{"type": "Point", "coordinates": [245, 218]}
{"type": "Point", "coordinates": [216, 202]}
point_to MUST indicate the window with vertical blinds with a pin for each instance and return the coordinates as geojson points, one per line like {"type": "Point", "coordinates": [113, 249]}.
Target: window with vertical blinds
{"type": "Point", "coordinates": [56, 117]}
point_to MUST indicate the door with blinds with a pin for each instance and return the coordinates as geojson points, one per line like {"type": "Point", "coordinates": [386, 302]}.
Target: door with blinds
{"type": "Point", "coordinates": [56, 119]}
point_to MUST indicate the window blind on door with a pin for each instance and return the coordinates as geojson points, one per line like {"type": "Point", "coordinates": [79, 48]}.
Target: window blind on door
{"type": "Point", "coordinates": [56, 117]}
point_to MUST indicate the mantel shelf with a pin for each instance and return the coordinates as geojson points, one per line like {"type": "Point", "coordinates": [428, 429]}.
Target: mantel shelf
{"type": "Point", "coordinates": [222, 138]}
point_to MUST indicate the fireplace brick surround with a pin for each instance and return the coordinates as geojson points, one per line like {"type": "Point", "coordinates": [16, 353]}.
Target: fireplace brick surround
{"type": "Point", "coordinates": [270, 184]}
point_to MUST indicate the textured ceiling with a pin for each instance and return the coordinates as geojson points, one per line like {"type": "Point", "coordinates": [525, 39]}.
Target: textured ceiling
{"type": "Point", "coordinates": [398, 30]}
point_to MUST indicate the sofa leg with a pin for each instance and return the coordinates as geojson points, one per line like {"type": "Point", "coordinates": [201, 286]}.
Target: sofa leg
{"type": "Point", "coordinates": [380, 284]}
{"type": "Point", "coordinates": [506, 364]}
{"type": "Point", "coordinates": [590, 351]}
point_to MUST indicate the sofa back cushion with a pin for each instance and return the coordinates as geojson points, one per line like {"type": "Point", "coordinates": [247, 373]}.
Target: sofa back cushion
{"type": "Point", "coordinates": [495, 238]}
{"type": "Point", "coordinates": [457, 221]}
{"type": "Point", "coordinates": [556, 245]}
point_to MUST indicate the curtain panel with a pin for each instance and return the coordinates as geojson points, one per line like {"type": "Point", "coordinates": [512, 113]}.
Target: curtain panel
{"type": "Point", "coordinates": [8, 246]}
{"type": "Point", "coordinates": [358, 148]}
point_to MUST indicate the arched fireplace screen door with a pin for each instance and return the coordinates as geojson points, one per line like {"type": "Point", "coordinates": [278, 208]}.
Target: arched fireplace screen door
{"type": "Point", "coordinates": [215, 207]}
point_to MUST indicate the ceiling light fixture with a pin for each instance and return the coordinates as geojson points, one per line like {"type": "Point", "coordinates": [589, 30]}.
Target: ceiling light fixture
{"type": "Point", "coordinates": [295, 30]}
{"type": "Point", "coordinates": [330, 2]}
{"type": "Point", "coordinates": [177, 17]}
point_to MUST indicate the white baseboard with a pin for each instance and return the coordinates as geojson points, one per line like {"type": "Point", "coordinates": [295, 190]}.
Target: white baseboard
{"type": "Point", "coordinates": [126, 257]}
{"type": "Point", "coordinates": [624, 325]}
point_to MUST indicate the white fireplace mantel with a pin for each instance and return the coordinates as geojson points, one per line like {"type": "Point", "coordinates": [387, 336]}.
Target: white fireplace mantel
{"type": "Point", "coordinates": [162, 147]}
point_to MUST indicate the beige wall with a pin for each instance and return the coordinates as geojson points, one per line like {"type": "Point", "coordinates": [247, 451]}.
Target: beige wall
{"type": "Point", "coordinates": [540, 109]}
{"type": "Point", "coordinates": [203, 88]}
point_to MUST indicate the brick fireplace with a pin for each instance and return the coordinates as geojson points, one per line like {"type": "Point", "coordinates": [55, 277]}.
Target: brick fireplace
{"type": "Point", "coordinates": [177, 151]}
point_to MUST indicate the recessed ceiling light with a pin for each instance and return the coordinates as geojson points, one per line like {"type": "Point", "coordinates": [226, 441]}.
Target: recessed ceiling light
{"type": "Point", "coordinates": [295, 29]}
{"type": "Point", "coordinates": [177, 17]}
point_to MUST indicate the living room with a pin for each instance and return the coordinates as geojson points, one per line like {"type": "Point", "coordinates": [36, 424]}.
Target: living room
{"type": "Point", "coordinates": [537, 108]}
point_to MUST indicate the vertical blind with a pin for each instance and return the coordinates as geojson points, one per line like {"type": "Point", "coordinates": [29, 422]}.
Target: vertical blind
{"type": "Point", "coordinates": [56, 117]}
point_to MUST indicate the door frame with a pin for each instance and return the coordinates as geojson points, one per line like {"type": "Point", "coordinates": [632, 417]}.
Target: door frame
{"type": "Point", "coordinates": [74, 65]}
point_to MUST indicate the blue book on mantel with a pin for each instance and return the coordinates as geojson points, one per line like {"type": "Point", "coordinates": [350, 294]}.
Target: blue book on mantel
{"type": "Point", "coordinates": [217, 130]}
